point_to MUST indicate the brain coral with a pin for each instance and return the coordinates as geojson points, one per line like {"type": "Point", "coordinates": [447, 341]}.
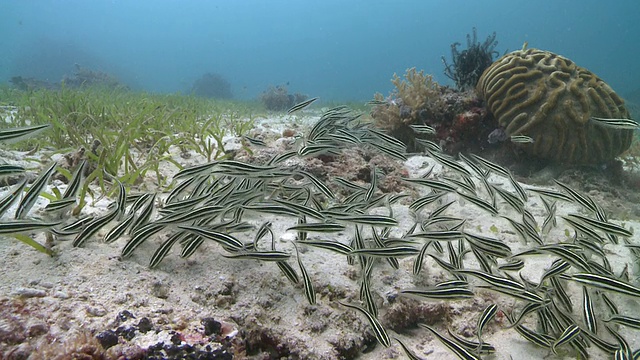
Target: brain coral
{"type": "Point", "coordinates": [547, 97]}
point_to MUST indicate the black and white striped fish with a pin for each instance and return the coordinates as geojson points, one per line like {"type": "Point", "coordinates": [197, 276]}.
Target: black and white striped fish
{"type": "Point", "coordinates": [623, 124]}
{"type": "Point", "coordinates": [15, 134]}
{"type": "Point", "coordinates": [33, 193]}
{"type": "Point", "coordinates": [458, 349]}
{"type": "Point", "coordinates": [301, 105]}
{"type": "Point", "coordinates": [378, 329]}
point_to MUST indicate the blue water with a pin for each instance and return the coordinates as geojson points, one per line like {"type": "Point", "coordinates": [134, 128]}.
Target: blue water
{"type": "Point", "coordinates": [338, 49]}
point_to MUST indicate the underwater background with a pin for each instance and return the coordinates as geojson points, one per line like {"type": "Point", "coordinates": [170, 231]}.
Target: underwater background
{"type": "Point", "coordinates": [337, 50]}
{"type": "Point", "coordinates": [171, 177]}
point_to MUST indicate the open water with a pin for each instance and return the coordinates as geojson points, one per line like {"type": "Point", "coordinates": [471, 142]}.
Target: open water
{"type": "Point", "coordinates": [338, 50]}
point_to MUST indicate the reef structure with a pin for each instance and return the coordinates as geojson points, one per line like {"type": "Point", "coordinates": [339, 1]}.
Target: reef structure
{"type": "Point", "coordinates": [457, 117]}
{"type": "Point", "coordinates": [550, 99]}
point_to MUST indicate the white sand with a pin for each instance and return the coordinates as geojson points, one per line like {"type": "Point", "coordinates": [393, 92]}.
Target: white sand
{"type": "Point", "coordinates": [85, 288]}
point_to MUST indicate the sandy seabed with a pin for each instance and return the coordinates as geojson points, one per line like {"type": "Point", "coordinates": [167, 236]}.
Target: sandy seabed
{"type": "Point", "coordinates": [248, 308]}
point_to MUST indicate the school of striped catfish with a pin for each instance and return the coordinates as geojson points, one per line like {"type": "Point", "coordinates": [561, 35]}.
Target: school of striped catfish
{"type": "Point", "coordinates": [218, 202]}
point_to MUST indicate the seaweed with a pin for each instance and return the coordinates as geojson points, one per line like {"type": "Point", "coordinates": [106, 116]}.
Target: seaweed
{"type": "Point", "coordinates": [130, 134]}
{"type": "Point", "coordinates": [469, 63]}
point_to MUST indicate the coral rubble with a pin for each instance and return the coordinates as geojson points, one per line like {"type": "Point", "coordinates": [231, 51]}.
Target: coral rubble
{"type": "Point", "coordinates": [550, 99]}
{"type": "Point", "coordinates": [85, 77]}
{"type": "Point", "coordinates": [30, 84]}
{"type": "Point", "coordinates": [277, 98]}
{"type": "Point", "coordinates": [459, 120]}
{"type": "Point", "coordinates": [82, 77]}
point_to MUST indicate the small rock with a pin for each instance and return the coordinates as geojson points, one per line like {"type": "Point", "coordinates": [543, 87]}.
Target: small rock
{"type": "Point", "coordinates": [180, 323]}
{"type": "Point", "coordinates": [211, 326]}
{"type": "Point", "coordinates": [199, 299]}
{"type": "Point", "coordinates": [12, 331]}
{"type": "Point", "coordinates": [107, 339]}
{"type": "Point", "coordinates": [64, 323]}
{"type": "Point", "coordinates": [127, 332]}
{"type": "Point", "coordinates": [22, 351]}
{"type": "Point", "coordinates": [47, 285]}
{"type": "Point", "coordinates": [132, 352]}
{"type": "Point", "coordinates": [96, 311]}
{"type": "Point", "coordinates": [176, 339]}
{"type": "Point", "coordinates": [141, 302]}
{"type": "Point", "coordinates": [145, 325]}
{"type": "Point", "coordinates": [163, 320]}
{"type": "Point", "coordinates": [226, 287]}
{"type": "Point", "coordinates": [61, 295]}
{"type": "Point", "coordinates": [37, 329]}
{"type": "Point", "coordinates": [124, 315]}
{"type": "Point", "coordinates": [30, 292]}
{"type": "Point", "coordinates": [122, 298]}
{"type": "Point", "coordinates": [160, 290]}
